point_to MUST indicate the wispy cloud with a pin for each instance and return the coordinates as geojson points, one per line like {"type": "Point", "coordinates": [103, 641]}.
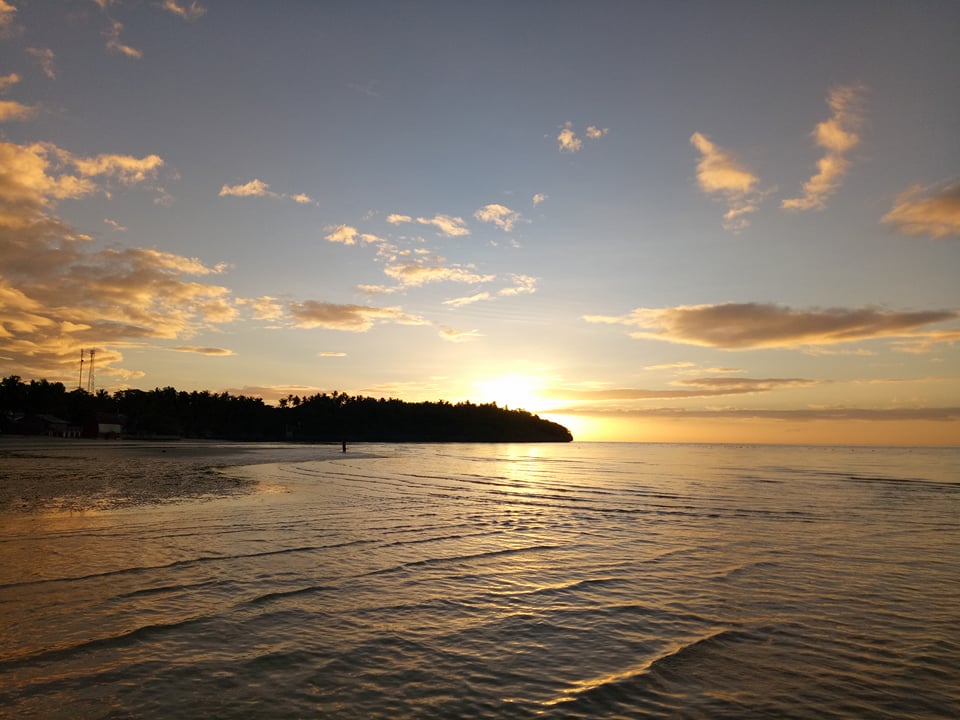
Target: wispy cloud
{"type": "Point", "coordinates": [741, 326]}
{"type": "Point", "coordinates": [837, 136]}
{"type": "Point", "coordinates": [693, 388]}
{"type": "Point", "coordinates": [12, 110]}
{"type": "Point", "coordinates": [351, 318]}
{"type": "Point", "coordinates": [331, 353]}
{"type": "Point", "coordinates": [396, 219]}
{"type": "Point", "coordinates": [8, 81]}
{"type": "Point", "coordinates": [458, 336]}
{"type": "Point", "coordinates": [258, 188]}
{"type": "Point", "coordinates": [422, 273]}
{"type": "Point", "coordinates": [264, 307]}
{"type": "Point", "coordinates": [115, 225]}
{"type": "Point", "coordinates": [933, 211]}
{"type": "Point", "coordinates": [539, 198]}
{"type": "Point", "coordinates": [446, 224]}
{"type": "Point", "coordinates": [720, 173]}
{"type": "Point", "coordinates": [468, 300]}
{"type": "Point", "coordinates": [46, 58]}
{"type": "Point", "coordinates": [896, 414]}
{"type": "Point", "coordinates": [500, 215]}
{"type": "Point", "coordinates": [113, 41]}
{"type": "Point", "coordinates": [522, 285]}
{"type": "Point", "coordinates": [191, 12]}
{"type": "Point", "coordinates": [595, 133]}
{"type": "Point", "coordinates": [212, 351]}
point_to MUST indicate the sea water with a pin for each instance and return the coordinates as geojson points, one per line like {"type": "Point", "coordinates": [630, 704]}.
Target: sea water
{"type": "Point", "coordinates": [502, 581]}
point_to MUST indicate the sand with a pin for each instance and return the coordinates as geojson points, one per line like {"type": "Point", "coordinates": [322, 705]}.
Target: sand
{"type": "Point", "coordinates": [39, 474]}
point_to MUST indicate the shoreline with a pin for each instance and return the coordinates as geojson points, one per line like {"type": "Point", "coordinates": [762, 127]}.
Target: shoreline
{"type": "Point", "coordinates": [43, 474]}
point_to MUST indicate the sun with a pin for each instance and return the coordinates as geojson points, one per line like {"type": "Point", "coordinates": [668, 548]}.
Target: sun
{"type": "Point", "coordinates": [517, 392]}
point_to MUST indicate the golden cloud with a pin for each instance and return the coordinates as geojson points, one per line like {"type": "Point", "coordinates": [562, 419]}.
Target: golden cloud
{"type": "Point", "coordinates": [900, 414]}
{"type": "Point", "coordinates": [837, 136]}
{"type": "Point", "coordinates": [703, 387]}
{"type": "Point", "coordinates": [220, 352]}
{"type": "Point", "coordinates": [569, 142]}
{"type": "Point", "coordinates": [416, 274]}
{"type": "Point", "coordinates": [57, 296]}
{"type": "Point", "coordinates": [741, 326]}
{"type": "Point", "coordinates": [523, 285]}
{"type": "Point", "coordinates": [12, 110]}
{"type": "Point", "coordinates": [395, 219]}
{"type": "Point", "coordinates": [254, 188]}
{"type": "Point", "coordinates": [719, 173]}
{"type": "Point", "coordinates": [925, 211]}
{"type": "Point", "coordinates": [351, 318]}
{"type": "Point", "coordinates": [449, 226]}
{"type": "Point", "coordinates": [458, 336]}
{"type": "Point", "coordinates": [468, 300]}
{"type": "Point", "coordinates": [500, 215]}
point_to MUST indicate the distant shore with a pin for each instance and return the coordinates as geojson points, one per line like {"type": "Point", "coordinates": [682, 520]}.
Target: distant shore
{"type": "Point", "coordinates": [41, 474]}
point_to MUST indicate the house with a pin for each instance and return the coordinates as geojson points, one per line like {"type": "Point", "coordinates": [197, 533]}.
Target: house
{"type": "Point", "coordinates": [105, 425]}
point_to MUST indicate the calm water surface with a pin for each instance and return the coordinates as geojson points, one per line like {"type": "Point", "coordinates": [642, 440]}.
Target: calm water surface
{"type": "Point", "coordinates": [505, 581]}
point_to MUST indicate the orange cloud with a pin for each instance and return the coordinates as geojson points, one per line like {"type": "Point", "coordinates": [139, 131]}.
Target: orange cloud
{"type": "Point", "coordinates": [449, 226]}
{"type": "Point", "coordinates": [719, 173]}
{"type": "Point", "coordinates": [12, 110]}
{"type": "Point", "coordinates": [57, 295]}
{"type": "Point", "coordinates": [6, 14]}
{"type": "Point", "coordinates": [114, 45]}
{"type": "Point", "coordinates": [191, 12]}
{"type": "Point", "coordinates": [221, 352]}
{"type": "Point", "coordinates": [458, 336]}
{"type": "Point", "coordinates": [926, 211]}
{"type": "Point", "coordinates": [703, 387]}
{"type": "Point", "coordinates": [417, 274]}
{"type": "Point", "coordinates": [569, 142]}
{"type": "Point", "coordinates": [741, 326]}
{"type": "Point", "coordinates": [500, 215]}
{"type": "Point", "coordinates": [351, 318]}
{"type": "Point", "coordinates": [46, 59]}
{"type": "Point", "coordinates": [837, 136]}
{"type": "Point", "coordinates": [258, 188]}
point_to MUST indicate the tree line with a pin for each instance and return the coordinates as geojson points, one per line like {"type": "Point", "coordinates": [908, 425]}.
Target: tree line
{"type": "Point", "coordinates": [324, 417]}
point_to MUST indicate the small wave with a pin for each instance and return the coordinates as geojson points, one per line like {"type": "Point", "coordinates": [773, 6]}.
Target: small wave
{"type": "Point", "coordinates": [125, 639]}
{"type": "Point", "coordinates": [630, 686]}
{"type": "Point", "coordinates": [460, 558]}
{"type": "Point", "coordinates": [186, 563]}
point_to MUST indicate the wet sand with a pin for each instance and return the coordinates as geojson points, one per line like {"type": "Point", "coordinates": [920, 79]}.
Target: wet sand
{"type": "Point", "coordinates": [39, 474]}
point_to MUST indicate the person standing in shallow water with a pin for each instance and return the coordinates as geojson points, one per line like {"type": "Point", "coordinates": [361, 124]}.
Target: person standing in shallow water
{"type": "Point", "coordinates": [344, 446]}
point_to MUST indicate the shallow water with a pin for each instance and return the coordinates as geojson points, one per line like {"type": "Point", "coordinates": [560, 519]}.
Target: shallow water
{"type": "Point", "coordinates": [557, 581]}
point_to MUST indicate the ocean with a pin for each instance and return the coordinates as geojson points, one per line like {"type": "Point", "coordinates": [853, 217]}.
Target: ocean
{"type": "Point", "coordinates": [583, 580]}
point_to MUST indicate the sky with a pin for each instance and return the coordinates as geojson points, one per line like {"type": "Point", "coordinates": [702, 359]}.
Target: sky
{"type": "Point", "coordinates": [650, 221]}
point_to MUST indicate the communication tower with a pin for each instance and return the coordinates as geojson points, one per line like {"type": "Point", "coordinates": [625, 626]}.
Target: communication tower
{"type": "Point", "coordinates": [90, 384]}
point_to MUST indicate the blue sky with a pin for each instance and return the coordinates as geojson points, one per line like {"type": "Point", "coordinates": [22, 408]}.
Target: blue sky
{"type": "Point", "coordinates": [729, 221]}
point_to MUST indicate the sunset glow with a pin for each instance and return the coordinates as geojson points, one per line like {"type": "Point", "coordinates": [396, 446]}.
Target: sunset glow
{"type": "Point", "coordinates": [695, 222]}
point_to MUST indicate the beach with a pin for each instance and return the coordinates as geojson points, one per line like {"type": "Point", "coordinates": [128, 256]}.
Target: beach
{"type": "Point", "coordinates": [61, 474]}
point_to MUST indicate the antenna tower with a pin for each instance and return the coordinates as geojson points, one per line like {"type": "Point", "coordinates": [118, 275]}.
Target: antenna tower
{"type": "Point", "coordinates": [90, 385]}
{"type": "Point", "coordinates": [80, 379]}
